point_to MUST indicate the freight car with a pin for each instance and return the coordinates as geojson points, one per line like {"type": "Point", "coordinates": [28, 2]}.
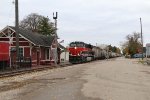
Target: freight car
{"type": "Point", "coordinates": [4, 55]}
{"type": "Point", "coordinates": [97, 52]}
{"type": "Point", "coordinates": [80, 52]}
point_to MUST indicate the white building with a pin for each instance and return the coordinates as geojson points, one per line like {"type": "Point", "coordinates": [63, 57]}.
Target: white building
{"type": "Point", "coordinates": [148, 50]}
{"type": "Point", "coordinates": [64, 57]}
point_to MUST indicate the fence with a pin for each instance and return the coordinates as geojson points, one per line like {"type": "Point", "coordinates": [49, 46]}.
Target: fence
{"type": "Point", "coordinates": [13, 64]}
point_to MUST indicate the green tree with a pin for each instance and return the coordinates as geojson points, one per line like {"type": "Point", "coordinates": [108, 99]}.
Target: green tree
{"type": "Point", "coordinates": [114, 49]}
{"type": "Point", "coordinates": [46, 27]}
{"type": "Point", "coordinates": [118, 51]}
{"type": "Point", "coordinates": [125, 51]}
{"type": "Point", "coordinates": [110, 47]}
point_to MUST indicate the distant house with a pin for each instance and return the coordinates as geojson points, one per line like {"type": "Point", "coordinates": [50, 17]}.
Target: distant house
{"type": "Point", "coordinates": [42, 50]}
{"type": "Point", "coordinates": [148, 50]}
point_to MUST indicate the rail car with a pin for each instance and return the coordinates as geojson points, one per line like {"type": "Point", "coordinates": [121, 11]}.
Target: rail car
{"type": "Point", "coordinates": [4, 54]}
{"type": "Point", "coordinates": [97, 52]}
{"type": "Point", "coordinates": [80, 52]}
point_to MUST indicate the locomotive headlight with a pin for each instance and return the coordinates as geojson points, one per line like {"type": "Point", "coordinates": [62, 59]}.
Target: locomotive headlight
{"type": "Point", "coordinates": [75, 47]}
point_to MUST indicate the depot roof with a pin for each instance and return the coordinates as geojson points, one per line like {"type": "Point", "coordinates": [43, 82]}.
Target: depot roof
{"type": "Point", "coordinates": [35, 37]}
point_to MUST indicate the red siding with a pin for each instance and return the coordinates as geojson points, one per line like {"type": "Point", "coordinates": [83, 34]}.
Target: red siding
{"type": "Point", "coordinates": [26, 52]}
{"type": "Point", "coordinates": [21, 44]}
{"type": "Point", "coordinates": [42, 54]}
{"type": "Point", "coordinates": [34, 54]}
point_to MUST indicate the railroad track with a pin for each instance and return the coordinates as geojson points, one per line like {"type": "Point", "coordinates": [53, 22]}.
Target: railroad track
{"type": "Point", "coordinates": [20, 72]}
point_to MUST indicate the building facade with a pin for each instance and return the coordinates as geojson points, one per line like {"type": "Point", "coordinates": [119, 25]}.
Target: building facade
{"type": "Point", "coordinates": [43, 50]}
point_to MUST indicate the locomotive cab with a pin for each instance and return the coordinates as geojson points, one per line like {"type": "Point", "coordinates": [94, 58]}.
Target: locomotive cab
{"type": "Point", "coordinates": [80, 52]}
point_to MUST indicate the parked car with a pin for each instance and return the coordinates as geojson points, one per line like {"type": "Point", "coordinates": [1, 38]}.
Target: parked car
{"type": "Point", "coordinates": [138, 55]}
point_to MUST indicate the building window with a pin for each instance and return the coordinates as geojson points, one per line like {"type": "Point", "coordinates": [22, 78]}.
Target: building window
{"type": "Point", "coordinates": [21, 52]}
{"type": "Point", "coordinates": [47, 54]}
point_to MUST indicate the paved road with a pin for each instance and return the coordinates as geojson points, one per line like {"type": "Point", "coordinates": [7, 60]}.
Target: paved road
{"type": "Point", "coordinates": [115, 79]}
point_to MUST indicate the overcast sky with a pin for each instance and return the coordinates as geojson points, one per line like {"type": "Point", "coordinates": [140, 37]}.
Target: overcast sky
{"type": "Point", "coordinates": [91, 21]}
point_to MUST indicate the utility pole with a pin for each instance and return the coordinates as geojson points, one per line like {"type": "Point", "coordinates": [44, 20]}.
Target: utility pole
{"type": "Point", "coordinates": [141, 37]}
{"type": "Point", "coordinates": [17, 28]}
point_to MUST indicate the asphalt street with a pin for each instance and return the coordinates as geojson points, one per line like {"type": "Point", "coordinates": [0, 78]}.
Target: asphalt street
{"type": "Point", "coordinates": [113, 79]}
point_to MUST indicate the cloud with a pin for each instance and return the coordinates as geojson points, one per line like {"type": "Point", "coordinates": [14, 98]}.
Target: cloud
{"type": "Point", "coordinates": [94, 21]}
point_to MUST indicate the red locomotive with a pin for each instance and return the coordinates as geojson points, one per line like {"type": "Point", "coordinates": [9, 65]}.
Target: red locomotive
{"type": "Point", "coordinates": [80, 52]}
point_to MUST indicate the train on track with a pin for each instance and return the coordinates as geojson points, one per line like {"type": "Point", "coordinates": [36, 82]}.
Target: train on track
{"type": "Point", "coordinates": [80, 52]}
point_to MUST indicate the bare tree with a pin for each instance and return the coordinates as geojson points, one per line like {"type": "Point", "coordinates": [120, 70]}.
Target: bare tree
{"type": "Point", "coordinates": [133, 37]}
{"type": "Point", "coordinates": [31, 22]}
{"type": "Point", "coordinates": [132, 45]}
{"type": "Point", "coordinates": [38, 23]}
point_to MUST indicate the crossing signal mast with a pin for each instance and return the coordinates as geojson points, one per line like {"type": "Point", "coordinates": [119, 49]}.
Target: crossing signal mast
{"type": "Point", "coordinates": [55, 16]}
